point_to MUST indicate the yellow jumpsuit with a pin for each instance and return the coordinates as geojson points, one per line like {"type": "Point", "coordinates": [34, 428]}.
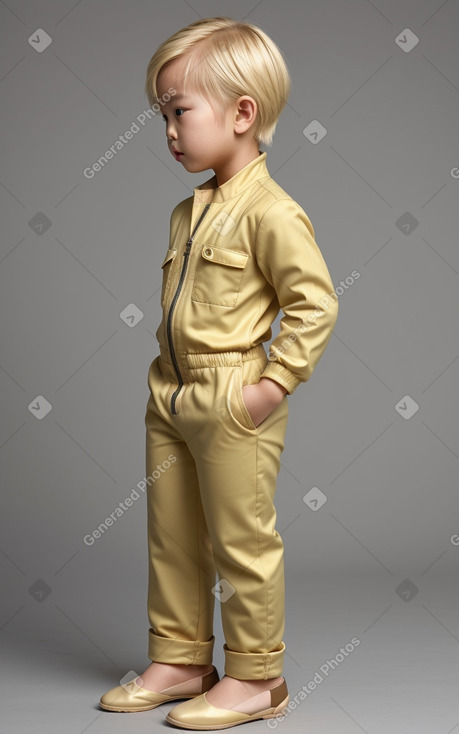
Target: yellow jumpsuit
{"type": "Point", "coordinates": [237, 254]}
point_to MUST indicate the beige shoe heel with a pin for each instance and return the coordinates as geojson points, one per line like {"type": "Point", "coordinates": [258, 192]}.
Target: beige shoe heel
{"type": "Point", "coordinates": [278, 710]}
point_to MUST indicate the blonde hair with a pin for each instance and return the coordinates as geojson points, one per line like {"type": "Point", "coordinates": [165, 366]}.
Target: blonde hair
{"type": "Point", "coordinates": [230, 59]}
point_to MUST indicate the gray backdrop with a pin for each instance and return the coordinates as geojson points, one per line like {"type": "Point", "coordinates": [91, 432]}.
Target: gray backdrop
{"type": "Point", "coordinates": [368, 491]}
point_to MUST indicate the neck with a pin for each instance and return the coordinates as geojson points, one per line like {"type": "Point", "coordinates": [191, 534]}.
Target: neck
{"type": "Point", "coordinates": [229, 168]}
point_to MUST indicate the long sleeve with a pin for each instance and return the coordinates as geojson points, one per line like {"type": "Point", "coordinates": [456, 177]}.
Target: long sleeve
{"type": "Point", "coordinates": [290, 260]}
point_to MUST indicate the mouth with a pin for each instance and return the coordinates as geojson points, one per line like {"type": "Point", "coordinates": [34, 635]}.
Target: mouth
{"type": "Point", "coordinates": [176, 154]}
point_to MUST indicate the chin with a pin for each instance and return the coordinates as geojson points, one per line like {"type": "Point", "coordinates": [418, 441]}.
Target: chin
{"type": "Point", "coordinates": [193, 167]}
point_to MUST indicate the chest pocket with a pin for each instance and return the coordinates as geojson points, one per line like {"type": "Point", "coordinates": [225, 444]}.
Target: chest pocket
{"type": "Point", "coordinates": [166, 269]}
{"type": "Point", "coordinates": [218, 276]}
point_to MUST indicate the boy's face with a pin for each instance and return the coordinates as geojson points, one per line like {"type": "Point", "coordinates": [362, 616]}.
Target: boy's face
{"type": "Point", "coordinates": [193, 128]}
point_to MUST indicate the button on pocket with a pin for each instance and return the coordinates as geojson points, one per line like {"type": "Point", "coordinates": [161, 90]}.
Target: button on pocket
{"type": "Point", "coordinates": [166, 268]}
{"type": "Point", "coordinates": [218, 276]}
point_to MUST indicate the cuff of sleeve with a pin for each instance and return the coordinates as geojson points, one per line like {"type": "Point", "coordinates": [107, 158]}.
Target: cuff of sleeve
{"type": "Point", "coordinates": [279, 373]}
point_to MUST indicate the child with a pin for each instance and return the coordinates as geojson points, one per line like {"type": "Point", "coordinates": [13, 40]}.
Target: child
{"type": "Point", "coordinates": [240, 248]}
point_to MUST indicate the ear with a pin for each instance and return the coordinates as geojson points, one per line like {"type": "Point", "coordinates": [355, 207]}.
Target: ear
{"type": "Point", "coordinates": [246, 112]}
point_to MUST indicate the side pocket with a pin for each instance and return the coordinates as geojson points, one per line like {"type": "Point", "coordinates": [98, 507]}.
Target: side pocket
{"type": "Point", "coordinates": [249, 374]}
{"type": "Point", "coordinates": [166, 269]}
{"type": "Point", "coordinates": [238, 408]}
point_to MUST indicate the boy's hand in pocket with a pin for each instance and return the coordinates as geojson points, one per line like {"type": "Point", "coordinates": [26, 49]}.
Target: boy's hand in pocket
{"type": "Point", "coordinates": [261, 399]}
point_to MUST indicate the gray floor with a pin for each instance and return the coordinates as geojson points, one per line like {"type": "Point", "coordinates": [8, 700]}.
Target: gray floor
{"type": "Point", "coordinates": [401, 678]}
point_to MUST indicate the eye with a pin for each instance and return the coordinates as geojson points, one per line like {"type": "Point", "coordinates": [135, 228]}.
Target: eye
{"type": "Point", "coordinates": [177, 109]}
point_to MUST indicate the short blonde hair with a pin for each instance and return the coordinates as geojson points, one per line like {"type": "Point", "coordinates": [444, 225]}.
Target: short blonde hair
{"type": "Point", "coordinates": [230, 59]}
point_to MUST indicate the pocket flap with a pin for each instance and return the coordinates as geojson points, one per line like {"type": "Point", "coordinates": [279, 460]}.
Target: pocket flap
{"type": "Point", "coordinates": [224, 256]}
{"type": "Point", "coordinates": [169, 256]}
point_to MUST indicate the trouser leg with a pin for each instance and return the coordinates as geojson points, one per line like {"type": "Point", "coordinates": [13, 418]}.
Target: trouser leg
{"type": "Point", "coordinates": [181, 570]}
{"type": "Point", "coordinates": [237, 466]}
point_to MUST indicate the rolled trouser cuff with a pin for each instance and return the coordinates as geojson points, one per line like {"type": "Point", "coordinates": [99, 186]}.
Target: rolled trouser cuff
{"type": "Point", "coordinates": [250, 666]}
{"type": "Point", "coordinates": [175, 650]}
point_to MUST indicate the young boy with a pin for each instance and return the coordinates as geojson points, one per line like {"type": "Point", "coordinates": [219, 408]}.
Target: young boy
{"type": "Point", "coordinates": [240, 248]}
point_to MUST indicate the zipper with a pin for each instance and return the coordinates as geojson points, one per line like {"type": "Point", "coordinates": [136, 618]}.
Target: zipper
{"type": "Point", "coordinates": [186, 255]}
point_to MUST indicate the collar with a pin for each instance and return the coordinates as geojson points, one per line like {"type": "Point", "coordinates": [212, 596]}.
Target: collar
{"type": "Point", "coordinates": [253, 171]}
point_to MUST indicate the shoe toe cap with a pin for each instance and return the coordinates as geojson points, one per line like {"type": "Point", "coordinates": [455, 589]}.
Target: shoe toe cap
{"type": "Point", "coordinates": [114, 697]}
{"type": "Point", "coordinates": [198, 711]}
{"type": "Point", "coordinates": [130, 698]}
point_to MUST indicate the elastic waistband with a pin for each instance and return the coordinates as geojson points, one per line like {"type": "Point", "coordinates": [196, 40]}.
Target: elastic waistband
{"type": "Point", "coordinates": [222, 359]}
{"type": "Point", "coordinates": [216, 359]}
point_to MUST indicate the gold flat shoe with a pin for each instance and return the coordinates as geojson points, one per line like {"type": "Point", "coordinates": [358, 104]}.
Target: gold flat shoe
{"type": "Point", "coordinates": [131, 697]}
{"type": "Point", "coordinates": [200, 714]}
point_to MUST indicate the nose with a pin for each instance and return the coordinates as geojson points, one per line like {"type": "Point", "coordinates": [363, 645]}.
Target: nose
{"type": "Point", "coordinates": [170, 132]}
